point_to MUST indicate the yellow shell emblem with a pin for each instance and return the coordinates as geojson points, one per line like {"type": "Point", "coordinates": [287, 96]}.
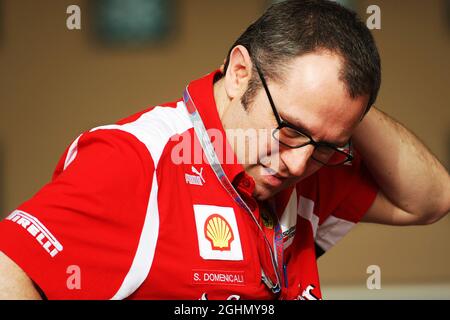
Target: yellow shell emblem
{"type": "Point", "coordinates": [218, 232]}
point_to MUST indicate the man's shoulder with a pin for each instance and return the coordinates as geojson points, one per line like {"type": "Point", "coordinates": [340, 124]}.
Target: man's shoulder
{"type": "Point", "coordinates": [138, 114]}
{"type": "Point", "coordinates": [142, 136]}
{"type": "Point", "coordinates": [153, 127]}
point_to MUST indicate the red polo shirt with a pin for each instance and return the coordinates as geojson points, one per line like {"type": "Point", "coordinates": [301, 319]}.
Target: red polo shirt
{"type": "Point", "coordinates": [131, 213]}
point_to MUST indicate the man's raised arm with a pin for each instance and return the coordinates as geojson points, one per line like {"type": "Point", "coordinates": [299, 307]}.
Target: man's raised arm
{"type": "Point", "coordinates": [415, 187]}
{"type": "Point", "coordinates": [14, 283]}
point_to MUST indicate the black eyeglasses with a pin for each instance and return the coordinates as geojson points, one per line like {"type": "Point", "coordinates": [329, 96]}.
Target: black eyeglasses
{"type": "Point", "coordinates": [292, 137]}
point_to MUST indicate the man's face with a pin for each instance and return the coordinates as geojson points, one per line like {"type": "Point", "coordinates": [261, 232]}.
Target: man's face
{"type": "Point", "coordinates": [312, 97]}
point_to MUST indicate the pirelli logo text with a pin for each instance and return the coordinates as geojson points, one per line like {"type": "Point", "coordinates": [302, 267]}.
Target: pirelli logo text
{"type": "Point", "coordinates": [37, 230]}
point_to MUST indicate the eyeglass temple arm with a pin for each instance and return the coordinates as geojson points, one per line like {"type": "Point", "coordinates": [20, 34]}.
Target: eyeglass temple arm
{"type": "Point", "coordinates": [269, 96]}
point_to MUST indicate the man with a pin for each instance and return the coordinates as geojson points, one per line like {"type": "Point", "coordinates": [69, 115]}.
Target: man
{"type": "Point", "coordinates": [168, 204]}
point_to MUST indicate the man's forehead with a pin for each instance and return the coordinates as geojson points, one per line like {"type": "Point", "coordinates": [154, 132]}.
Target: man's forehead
{"type": "Point", "coordinates": [314, 98]}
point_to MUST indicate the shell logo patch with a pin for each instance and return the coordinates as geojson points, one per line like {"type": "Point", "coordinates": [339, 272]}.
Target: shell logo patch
{"type": "Point", "coordinates": [217, 233]}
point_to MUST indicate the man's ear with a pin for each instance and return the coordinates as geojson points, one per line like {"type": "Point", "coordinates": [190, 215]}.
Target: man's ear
{"type": "Point", "coordinates": [239, 72]}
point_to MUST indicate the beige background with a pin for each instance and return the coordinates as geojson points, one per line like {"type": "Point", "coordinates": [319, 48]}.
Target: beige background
{"type": "Point", "coordinates": [56, 83]}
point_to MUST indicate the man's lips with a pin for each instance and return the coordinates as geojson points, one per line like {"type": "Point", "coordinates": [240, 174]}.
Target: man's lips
{"type": "Point", "coordinates": [272, 172]}
{"type": "Point", "coordinates": [272, 178]}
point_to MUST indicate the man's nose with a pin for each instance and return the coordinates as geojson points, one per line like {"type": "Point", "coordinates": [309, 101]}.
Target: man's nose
{"type": "Point", "coordinates": [296, 160]}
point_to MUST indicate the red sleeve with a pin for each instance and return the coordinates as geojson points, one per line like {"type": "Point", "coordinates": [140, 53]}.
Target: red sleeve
{"type": "Point", "coordinates": [347, 192]}
{"type": "Point", "coordinates": [77, 237]}
{"type": "Point", "coordinates": [360, 196]}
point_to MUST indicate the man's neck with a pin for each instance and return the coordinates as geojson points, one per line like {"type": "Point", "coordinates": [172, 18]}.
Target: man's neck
{"type": "Point", "coordinates": [221, 98]}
